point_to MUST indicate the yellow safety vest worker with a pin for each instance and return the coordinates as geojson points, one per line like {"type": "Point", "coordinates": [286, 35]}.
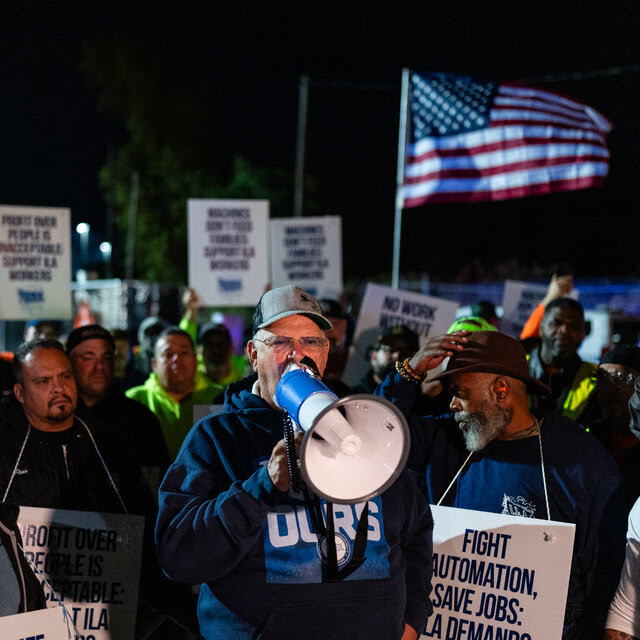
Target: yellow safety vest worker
{"type": "Point", "coordinates": [582, 386]}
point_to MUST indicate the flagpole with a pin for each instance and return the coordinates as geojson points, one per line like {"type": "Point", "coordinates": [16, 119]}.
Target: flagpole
{"type": "Point", "coordinates": [402, 134]}
{"type": "Point", "coordinates": [301, 132]}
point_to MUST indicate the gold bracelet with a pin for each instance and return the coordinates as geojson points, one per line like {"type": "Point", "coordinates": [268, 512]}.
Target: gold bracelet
{"type": "Point", "coordinates": [405, 370]}
{"type": "Point", "coordinates": [401, 371]}
{"type": "Point", "coordinates": [416, 376]}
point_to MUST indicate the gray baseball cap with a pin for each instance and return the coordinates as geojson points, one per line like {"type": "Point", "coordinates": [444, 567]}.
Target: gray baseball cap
{"type": "Point", "coordinates": [287, 301]}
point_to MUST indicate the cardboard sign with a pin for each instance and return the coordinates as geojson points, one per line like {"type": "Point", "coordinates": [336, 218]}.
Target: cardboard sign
{"type": "Point", "coordinates": [35, 263]}
{"type": "Point", "coordinates": [384, 307]}
{"type": "Point", "coordinates": [307, 252]}
{"type": "Point", "coordinates": [228, 251]}
{"type": "Point", "coordinates": [92, 562]}
{"type": "Point", "coordinates": [519, 300]}
{"type": "Point", "coordinates": [46, 624]}
{"type": "Point", "coordinates": [498, 576]}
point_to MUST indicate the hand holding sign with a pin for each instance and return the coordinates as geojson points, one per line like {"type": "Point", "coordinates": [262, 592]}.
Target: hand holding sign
{"type": "Point", "coordinates": [559, 287]}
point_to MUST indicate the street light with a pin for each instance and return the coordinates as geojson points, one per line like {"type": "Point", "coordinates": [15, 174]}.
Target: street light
{"type": "Point", "coordinates": [105, 250]}
{"type": "Point", "coordinates": [82, 229]}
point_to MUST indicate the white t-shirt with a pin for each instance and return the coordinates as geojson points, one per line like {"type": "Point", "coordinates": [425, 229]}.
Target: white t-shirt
{"type": "Point", "coordinates": [624, 612]}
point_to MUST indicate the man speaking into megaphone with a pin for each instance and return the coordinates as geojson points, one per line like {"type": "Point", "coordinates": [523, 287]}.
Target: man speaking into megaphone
{"type": "Point", "coordinates": [280, 561]}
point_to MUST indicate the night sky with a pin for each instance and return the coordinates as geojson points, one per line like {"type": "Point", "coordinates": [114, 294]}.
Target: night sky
{"type": "Point", "coordinates": [53, 139]}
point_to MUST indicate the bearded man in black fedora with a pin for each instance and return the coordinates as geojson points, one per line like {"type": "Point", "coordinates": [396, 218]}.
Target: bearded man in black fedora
{"type": "Point", "coordinates": [512, 460]}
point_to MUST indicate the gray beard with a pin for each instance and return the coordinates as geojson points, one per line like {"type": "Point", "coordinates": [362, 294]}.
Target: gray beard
{"type": "Point", "coordinates": [481, 427]}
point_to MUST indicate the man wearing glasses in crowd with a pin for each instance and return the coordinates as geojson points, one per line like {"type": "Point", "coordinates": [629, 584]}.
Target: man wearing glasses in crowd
{"type": "Point", "coordinates": [619, 429]}
{"type": "Point", "coordinates": [230, 520]}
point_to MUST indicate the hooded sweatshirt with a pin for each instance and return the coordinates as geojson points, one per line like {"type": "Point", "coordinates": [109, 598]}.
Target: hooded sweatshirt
{"type": "Point", "coordinates": [224, 524]}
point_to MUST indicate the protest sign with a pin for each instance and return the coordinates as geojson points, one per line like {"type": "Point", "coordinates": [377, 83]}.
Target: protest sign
{"type": "Point", "coordinates": [307, 252]}
{"type": "Point", "coordinates": [384, 307]}
{"type": "Point", "coordinates": [45, 624]}
{"type": "Point", "coordinates": [518, 302]}
{"type": "Point", "coordinates": [35, 268]}
{"type": "Point", "coordinates": [228, 251]}
{"type": "Point", "coordinates": [498, 576]}
{"type": "Point", "coordinates": [92, 563]}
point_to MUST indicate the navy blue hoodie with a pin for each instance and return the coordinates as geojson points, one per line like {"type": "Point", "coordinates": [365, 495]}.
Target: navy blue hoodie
{"type": "Point", "coordinates": [224, 524]}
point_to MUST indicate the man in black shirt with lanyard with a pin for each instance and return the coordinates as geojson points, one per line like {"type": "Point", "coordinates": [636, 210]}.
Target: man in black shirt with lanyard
{"type": "Point", "coordinates": [52, 458]}
{"type": "Point", "coordinates": [495, 454]}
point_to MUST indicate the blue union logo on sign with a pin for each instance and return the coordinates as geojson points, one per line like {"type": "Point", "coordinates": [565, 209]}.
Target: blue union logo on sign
{"type": "Point", "coordinates": [30, 297]}
{"type": "Point", "coordinates": [229, 285]}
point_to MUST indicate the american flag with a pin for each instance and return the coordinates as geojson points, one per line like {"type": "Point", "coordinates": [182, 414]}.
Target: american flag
{"type": "Point", "coordinates": [471, 140]}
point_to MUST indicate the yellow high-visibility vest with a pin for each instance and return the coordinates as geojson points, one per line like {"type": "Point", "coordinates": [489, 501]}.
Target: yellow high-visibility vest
{"type": "Point", "coordinates": [582, 387]}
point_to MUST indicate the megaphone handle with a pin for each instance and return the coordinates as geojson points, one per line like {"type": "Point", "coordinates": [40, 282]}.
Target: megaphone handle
{"type": "Point", "coordinates": [292, 459]}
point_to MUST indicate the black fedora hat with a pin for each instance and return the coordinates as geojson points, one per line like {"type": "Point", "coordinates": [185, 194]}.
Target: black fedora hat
{"type": "Point", "coordinates": [492, 352]}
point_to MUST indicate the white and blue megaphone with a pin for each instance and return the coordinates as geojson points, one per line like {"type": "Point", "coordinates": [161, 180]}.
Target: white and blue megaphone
{"type": "Point", "coordinates": [353, 448]}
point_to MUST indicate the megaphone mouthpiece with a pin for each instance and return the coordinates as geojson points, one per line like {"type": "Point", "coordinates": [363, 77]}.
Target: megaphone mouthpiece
{"type": "Point", "coordinates": [308, 362]}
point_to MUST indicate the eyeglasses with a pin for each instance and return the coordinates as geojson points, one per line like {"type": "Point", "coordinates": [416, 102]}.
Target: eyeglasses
{"type": "Point", "coordinates": [615, 378]}
{"type": "Point", "coordinates": [393, 348]}
{"type": "Point", "coordinates": [282, 344]}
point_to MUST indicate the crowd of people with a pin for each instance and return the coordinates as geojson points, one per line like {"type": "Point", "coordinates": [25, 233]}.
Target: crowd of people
{"type": "Point", "coordinates": [521, 427]}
